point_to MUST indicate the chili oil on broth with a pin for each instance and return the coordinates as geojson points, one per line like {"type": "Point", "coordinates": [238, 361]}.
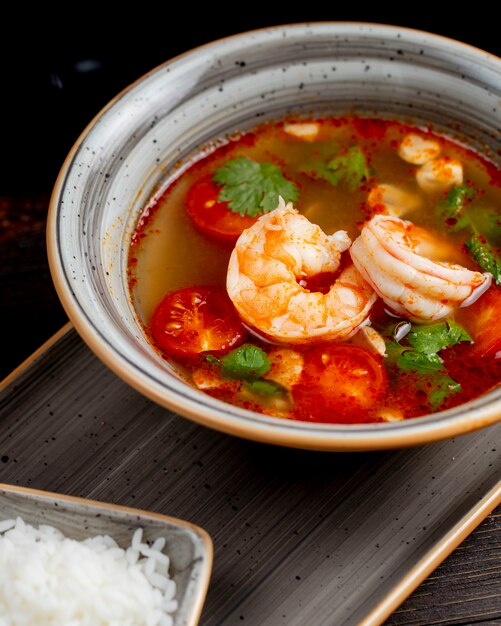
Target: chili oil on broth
{"type": "Point", "coordinates": [168, 253]}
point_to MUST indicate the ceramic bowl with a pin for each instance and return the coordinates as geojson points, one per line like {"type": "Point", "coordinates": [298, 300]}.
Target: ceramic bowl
{"type": "Point", "coordinates": [129, 150]}
{"type": "Point", "coordinates": [189, 547]}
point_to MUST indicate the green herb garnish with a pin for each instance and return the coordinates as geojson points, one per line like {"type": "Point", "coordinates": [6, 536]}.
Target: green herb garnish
{"type": "Point", "coordinates": [452, 207]}
{"type": "Point", "coordinates": [485, 255]}
{"type": "Point", "coordinates": [432, 338]}
{"type": "Point", "coordinates": [210, 358]}
{"type": "Point", "coordinates": [409, 360]}
{"type": "Point", "coordinates": [248, 362]}
{"type": "Point", "coordinates": [418, 352]}
{"type": "Point", "coordinates": [443, 387]}
{"type": "Point", "coordinates": [264, 387]}
{"type": "Point", "coordinates": [252, 188]}
{"type": "Point", "coordinates": [348, 168]}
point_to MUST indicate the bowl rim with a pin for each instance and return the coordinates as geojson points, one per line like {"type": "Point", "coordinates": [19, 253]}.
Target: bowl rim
{"type": "Point", "coordinates": [205, 564]}
{"type": "Point", "coordinates": [247, 424]}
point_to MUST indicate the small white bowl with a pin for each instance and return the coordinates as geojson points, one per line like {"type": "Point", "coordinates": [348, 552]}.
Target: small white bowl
{"type": "Point", "coordinates": [129, 150]}
{"type": "Point", "coordinates": [188, 547]}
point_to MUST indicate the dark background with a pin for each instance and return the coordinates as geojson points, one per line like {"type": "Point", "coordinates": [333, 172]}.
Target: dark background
{"type": "Point", "coordinates": [59, 70]}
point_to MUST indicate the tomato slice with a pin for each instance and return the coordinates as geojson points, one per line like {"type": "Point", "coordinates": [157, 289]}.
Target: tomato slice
{"type": "Point", "coordinates": [339, 383]}
{"type": "Point", "coordinates": [485, 325]}
{"type": "Point", "coordinates": [194, 320]}
{"type": "Point", "coordinates": [210, 216]}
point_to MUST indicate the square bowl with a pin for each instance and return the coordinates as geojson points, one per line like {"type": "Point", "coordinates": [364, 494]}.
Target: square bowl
{"type": "Point", "coordinates": [188, 547]}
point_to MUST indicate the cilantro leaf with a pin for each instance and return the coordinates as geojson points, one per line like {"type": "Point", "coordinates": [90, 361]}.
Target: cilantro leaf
{"type": "Point", "coordinates": [246, 362]}
{"type": "Point", "coordinates": [252, 188]}
{"type": "Point", "coordinates": [452, 207]}
{"type": "Point", "coordinates": [432, 338]}
{"type": "Point", "coordinates": [485, 255]}
{"type": "Point", "coordinates": [453, 211]}
{"type": "Point", "coordinates": [418, 352]}
{"type": "Point", "coordinates": [418, 362]}
{"type": "Point", "coordinates": [431, 375]}
{"type": "Point", "coordinates": [210, 358]}
{"type": "Point", "coordinates": [264, 387]}
{"type": "Point", "coordinates": [348, 168]}
{"type": "Point", "coordinates": [457, 334]}
{"type": "Point", "coordinates": [443, 387]}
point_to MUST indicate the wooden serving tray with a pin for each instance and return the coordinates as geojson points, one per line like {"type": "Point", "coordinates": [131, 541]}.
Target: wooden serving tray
{"type": "Point", "coordinates": [300, 538]}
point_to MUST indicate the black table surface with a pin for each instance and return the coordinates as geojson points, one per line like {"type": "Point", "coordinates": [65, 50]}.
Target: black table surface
{"type": "Point", "coordinates": [58, 74]}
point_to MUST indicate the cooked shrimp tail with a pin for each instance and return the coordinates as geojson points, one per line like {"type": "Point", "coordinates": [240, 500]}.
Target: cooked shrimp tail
{"type": "Point", "coordinates": [269, 259]}
{"type": "Point", "coordinates": [389, 255]}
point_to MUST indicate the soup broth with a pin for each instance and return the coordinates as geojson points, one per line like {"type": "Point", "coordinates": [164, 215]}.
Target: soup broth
{"type": "Point", "coordinates": [341, 174]}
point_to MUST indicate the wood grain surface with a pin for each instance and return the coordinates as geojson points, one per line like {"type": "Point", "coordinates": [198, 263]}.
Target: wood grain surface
{"type": "Point", "coordinates": [300, 537]}
{"type": "Point", "coordinates": [465, 589]}
{"type": "Point", "coordinates": [49, 62]}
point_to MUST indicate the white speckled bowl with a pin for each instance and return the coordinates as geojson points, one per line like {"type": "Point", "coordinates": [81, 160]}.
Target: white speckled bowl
{"type": "Point", "coordinates": [189, 547]}
{"type": "Point", "coordinates": [128, 150]}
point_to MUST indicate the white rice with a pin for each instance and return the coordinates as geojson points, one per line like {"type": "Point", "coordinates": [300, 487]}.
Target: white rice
{"type": "Point", "coordinates": [50, 580]}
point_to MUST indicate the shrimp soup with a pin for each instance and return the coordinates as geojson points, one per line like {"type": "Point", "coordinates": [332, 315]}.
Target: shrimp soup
{"type": "Point", "coordinates": [333, 270]}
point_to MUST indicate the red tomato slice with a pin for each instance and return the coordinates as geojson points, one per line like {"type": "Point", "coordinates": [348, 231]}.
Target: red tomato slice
{"type": "Point", "coordinates": [485, 327]}
{"type": "Point", "coordinates": [211, 217]}
{"type": "Point", "coordinates": [339, 383]}
{"type": "Point", "coordinates": [193, 320]}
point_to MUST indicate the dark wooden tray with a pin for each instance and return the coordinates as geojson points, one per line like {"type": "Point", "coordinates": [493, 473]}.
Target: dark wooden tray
{"type": "Point", "coordinates": [300, 538]}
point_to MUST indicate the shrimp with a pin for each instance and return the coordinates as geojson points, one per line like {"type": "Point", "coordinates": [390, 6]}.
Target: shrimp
{"type": "Point", "coordinates": [307, 131]}
{"type": "Point", "coordinates": [271, 256]}
{"type": "Point", "coordinates": [417, 149]}
{"type": "Point", "coordinates": [388, 254]}
{"type": "Point", "coordinates": [392, 200]}
{"type": "Point", "coordinates": [440, 174]}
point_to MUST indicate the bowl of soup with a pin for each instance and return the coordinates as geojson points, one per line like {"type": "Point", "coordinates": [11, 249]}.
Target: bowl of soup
{"type": "Point", "coordinates": [292, 235]}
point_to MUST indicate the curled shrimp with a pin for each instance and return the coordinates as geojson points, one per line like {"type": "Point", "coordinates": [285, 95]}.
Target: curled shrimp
{"type": "Point", "coordinates": [389, 255]}
{"type": "Point", "coordinates": [268, 260]}
{"type": "Point", "coordinates": [440, 174]}
{"type": "Point", "coordinates": [391, 200]}
{"type": "Point", "coordinates": [418, 149]}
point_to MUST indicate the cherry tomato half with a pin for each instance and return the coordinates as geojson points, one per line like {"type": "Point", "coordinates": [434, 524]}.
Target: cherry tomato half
{"type": "Point", "coordinates": [339, 383]}
{"type": "Point", "coordinates": [213, 218]}
{"type": "Point", "coordinates": [193, 320]}
{"type": "Point", "coordinates": [485, 327]}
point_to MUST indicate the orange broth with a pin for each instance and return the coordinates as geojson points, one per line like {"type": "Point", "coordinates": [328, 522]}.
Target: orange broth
{"type": "Point", "coordinates": [168, 253]}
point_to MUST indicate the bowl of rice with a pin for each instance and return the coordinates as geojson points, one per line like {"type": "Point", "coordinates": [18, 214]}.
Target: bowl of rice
{"type": "Point", "coordinates": [67, 560]}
